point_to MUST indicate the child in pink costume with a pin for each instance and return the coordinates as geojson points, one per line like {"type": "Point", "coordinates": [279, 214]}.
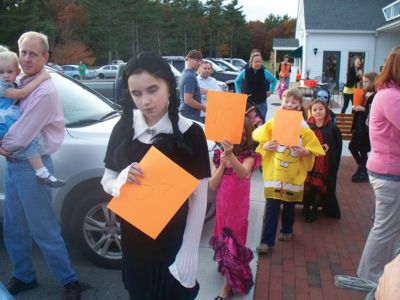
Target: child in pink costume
{"type": "Point", "coordinates": [281, 87]}
{"type": "Point", "coordinates": [231, 179]}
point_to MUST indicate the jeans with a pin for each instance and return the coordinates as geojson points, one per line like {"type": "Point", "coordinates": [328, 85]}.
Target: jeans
{"type": "Point", "coordinates": [4, 294]}
{"type": "Point", "coordinates": [29, 216]}
{"type": "Point", "coordinates": [271, 218]}
{"type": "Point", "coordinates": [346, 98]}
{"type": "Point", "coordinates": [35, 148]}
{"type": "Point", "coordinates": [262, 108]}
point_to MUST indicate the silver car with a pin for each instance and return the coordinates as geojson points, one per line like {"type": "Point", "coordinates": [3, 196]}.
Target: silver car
{"type": "Point", "coordinates": [107, 71]}
{"type": "Point", "coordinates": [81, 203]}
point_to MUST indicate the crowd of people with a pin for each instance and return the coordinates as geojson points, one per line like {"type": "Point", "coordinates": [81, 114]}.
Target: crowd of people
{"type": "Point", "coordinates": [166, 267]}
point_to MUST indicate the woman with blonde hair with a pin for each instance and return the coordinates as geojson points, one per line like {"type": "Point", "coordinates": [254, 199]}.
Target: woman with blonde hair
{"type": "Point", "coordinates": [257, 82]}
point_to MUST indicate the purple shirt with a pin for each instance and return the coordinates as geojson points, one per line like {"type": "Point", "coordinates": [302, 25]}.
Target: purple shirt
{"type": "Point", "coordinates": [42, 113]}
{"type": "Point", "coordinates": [384, 132]}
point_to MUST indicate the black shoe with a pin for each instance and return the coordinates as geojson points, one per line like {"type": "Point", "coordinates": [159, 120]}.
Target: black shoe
{"type": "Point", "coordinates": [72, 291]}
{"type": "Point", "coordinates": [16, 286]}
{"type": "Point", "coordinates": [54, 184]}
{"type": "Point", "coordinates": [357, 173]}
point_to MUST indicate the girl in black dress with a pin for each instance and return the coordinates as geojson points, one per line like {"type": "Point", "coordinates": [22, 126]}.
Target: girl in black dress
{"type": "Point", "coordinates": [320, 184]}
{"type": "Point", "coordinates": [164, 268]}
{"type": "Point", "coordinates": [359, 145]}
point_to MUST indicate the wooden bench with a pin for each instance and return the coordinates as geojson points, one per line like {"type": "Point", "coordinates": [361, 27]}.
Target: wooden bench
{"type": "Point", "coordinates": [344, 123]}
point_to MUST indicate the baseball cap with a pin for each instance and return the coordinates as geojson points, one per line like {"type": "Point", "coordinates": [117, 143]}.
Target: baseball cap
{"type": "Point", "coordinates": [194, 54]}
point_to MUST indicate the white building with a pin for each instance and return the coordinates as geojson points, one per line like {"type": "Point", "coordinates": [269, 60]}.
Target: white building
{"type": "Point", "coordinates": [331, 33]}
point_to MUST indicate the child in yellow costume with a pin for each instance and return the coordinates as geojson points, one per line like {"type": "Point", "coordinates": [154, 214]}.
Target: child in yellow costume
{"type": "Point", "coordinates": [284, 171]}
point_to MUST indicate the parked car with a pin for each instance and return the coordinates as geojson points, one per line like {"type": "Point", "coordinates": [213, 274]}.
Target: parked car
{"type": "Point", "coordinates": [117, 61]}
{"type": "Point", "coordinates": [73, 71]}
{"type": "Point", "coordinates": [107, 71]}
{"type": "Point", "coordinates": [81, 204]}
{"type": "Point", "coordinates": [237, 62]}
{"type": "Point", "coordinates": [228, 77]}
{"type": "Point", "coordinates": [226, 66]}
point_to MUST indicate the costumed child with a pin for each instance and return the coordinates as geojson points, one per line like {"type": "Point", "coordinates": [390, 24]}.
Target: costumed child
{"type": "Point", "coordinates": [320, 184]}
{"type": "Point", "coordinates": [9, 114]}
{"type": "Point", "coordinates": [281, 87]}
{"type": "Point", "coordinates": [251, 112]}
{"type": "Point", "coordinates": [284, 172]}
{"type": "Point", "coordinates": [231, 176]}
{"type": "Point", "coordinates": [359, 145]}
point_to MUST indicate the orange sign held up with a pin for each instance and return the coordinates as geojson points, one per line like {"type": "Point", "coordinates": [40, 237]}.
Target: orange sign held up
{"type": "Point", "coordinates": [358, 97]}
{"type": "Point", "coordinates": [163, 189]}
{"type": "Point", "coordinates": [225, 116]}
{"type": "Point", "coordinates": [287, 126]}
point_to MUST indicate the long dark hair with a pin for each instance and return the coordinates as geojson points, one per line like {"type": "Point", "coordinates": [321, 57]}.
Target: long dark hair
{"type": "Point", "coordinates": [158, 67]}
{"type": "Point", "coordinates": [246, 142]}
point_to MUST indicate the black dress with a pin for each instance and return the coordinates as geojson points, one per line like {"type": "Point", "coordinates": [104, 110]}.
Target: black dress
{"type": "Point", "coordinates": [333, 138]}
{"type": "Point", "coordinates": [145, 261]}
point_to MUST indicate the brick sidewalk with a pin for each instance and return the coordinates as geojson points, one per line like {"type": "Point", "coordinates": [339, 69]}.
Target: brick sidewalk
{"type": "Point", "coordinates": [304, 268]}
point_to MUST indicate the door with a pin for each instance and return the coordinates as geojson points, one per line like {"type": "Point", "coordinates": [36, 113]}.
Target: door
{"type": "Point", "coordinates": [331, 67]}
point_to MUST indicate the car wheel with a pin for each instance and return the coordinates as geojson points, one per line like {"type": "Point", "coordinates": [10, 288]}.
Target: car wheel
{"type": "Point", "coordinates": [101, 76]}
{"type": "Point", "coordinates": [96, 230]}
{"type": "Point", "coordinates": [75, 77]}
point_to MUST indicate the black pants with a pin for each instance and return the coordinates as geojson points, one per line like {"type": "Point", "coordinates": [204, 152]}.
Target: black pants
{"type": "Point", "coordinates": [346, 98]}
{"type": "Point", "coordinates": [359, 156]}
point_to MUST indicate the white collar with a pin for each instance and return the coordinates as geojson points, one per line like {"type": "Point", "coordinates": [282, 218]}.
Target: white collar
{"type": "Point", "coordinates": [145, 133]}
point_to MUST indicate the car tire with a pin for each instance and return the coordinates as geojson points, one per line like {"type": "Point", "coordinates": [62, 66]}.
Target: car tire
{"type": "Point", "coordinates": [101, 76]}
{"type": "Point", "coordinates": [75, 77]}
{"type": "Point", "coordinates": [96, 230]}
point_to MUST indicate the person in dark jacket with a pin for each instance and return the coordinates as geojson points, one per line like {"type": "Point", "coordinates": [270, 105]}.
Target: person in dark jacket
{"type": "Point", "coordinates": [259, 83]}
{"type": "Point", "coordinates": [359, 144]}
{"type": "Point", "coordinates": [354, 75]}
{"type": "Point", "coordinates": [320, 184]}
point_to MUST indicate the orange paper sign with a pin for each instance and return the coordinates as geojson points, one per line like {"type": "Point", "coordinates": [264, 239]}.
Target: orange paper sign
{"type": "Point", "coordinates": [151, 205]}
{"type": "Point", "coordinates": [225, 116]}
{"type": "Point", "coordinates": [287, 126]}
{"type": "Point", "coordinates": [357, 97]}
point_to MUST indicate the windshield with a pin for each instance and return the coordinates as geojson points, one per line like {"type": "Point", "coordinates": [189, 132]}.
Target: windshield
{"type": "Point", "coordinates": [80, 104]}
{"type": "Point", "coordinates": [215, 67]}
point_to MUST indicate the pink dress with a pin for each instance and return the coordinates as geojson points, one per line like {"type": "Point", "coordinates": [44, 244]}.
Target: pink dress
{"type": "Point", "coordinates": [230, 229]}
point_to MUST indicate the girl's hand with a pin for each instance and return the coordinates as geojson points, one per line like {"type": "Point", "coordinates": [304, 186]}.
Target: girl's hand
{"type": "Point", "coordinates": [358, 108]}
{"type": "Point", "coordinates": [300, 151]}
{"type": "Point", "coordinates": [325, 147]}
{"type": "Point", "coordinates": [228, 146]}
{"type": "Point", "coordinates": [223, 159]}
{"type": "Point", "coordinates": [271, 145]}
{"type": "Point", "coordinates": [135, 173]}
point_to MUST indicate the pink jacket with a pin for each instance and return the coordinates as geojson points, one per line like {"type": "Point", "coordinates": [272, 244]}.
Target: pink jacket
{"type": "Point", "coordinates": [384, 131]}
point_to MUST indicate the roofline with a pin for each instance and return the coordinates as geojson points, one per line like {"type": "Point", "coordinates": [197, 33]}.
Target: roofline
{"type": "Point", "coordinates": [341, 31]}
{"type": "Point", "coordinates": [389, 26]}
{"type": "Point", "coordinates": [284, 48]}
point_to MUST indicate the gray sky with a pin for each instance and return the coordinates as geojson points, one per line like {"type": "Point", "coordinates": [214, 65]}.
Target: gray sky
{"type": "Point", "coordinates": [259, 9]}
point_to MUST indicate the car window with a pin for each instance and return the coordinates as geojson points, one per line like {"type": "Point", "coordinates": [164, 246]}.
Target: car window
{"type": "Point", "coordinates": [114, 68]}
{"type": "Point", "coordinates": [78, 102]}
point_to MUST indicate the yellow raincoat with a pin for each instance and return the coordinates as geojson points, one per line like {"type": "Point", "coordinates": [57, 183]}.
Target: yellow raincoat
{"type": "Point", "coordinates": [284, 174]}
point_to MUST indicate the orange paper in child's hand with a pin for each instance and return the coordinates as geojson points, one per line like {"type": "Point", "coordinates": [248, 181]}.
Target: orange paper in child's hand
{"type": "Point", "coordinates": [287, 126]}
{"type": "Point", "coordinates": [357, 97]}
{"type": "Point", "coordinates": [163, 189]}
{"type": "Point", "coordinates": [225, 116]}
